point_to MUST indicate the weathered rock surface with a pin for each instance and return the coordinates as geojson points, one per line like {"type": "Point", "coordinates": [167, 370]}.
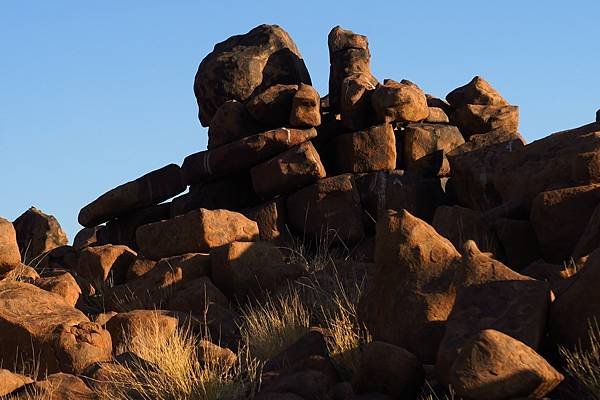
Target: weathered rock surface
{"type": "Point", "coordinates": [247, 64]}
{"type": "Point", "coordinates": [355, 102]}
{"type": "Point", "coordinates": [273, 107]}
{"type": "Point", "coordinates": [9, 381]}
{"type": "Point", "coordinates": [492, 296]}
{"type": "Point", "coordinates": [9, 249]}
{"type": "Point", "coordinates": [231, 122]}
{"type": "Point", "coordinates": [36, 322]}
{"type": "Point", "coordinates": [151, 189]}
{"type": "Point", "coordinates": [58, 386]}
{"type": "Point", "coordinates": [62, 284]}
{"type": "Point", "coordinates": [494, 366]}
{"type": "Point", "coordinates": [421, 140]}
{"type": "Point", "coordinates": [474, 119]}
{"type": "Point", "coordinates": [577, 306]}
{"type": "Point", "coordinates": [388, 369]}
{"type": "Point", "coordinates": [417, 265]}
{"type": "Point", "coordinates": [329, 206]}
{"type": "Point", "coordinates": [291, 170]}
{"type": "Point", "coordinates": [306, 107]}
{"type": "Point", "coordinates": [399, 101]}
{"type": "Point", "coordinates": [241, 269]}
{"type": "Point", "coordinates": [559, 218]}
{"type": "Point", "coordinates": [197, 231]}
{"type": "Point", "coordinates": [373, 149]}
{"type": "Point", "coordinates": [38, 233]}
{"type": "Point", "coordinates": [101, 263]}
{"type": "Point", "coordinates": [270, 218]}
{"type": "Point", "coordinates": [477, 91]}
{"type": "Point", "coordinates": [122, 230]}
{"type": "Point", "coordinates": [238, 156]}
{"type": "Point", "coordinates": [348, 54]}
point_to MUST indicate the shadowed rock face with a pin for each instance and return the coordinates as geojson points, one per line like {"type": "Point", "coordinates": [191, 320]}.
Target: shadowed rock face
{"type": "Point", "coordinates": [247, 64]}
{"type": "Point", "coordinates": [37, 233]}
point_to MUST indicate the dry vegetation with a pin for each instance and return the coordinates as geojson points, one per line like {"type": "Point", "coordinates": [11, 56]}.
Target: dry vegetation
{"type": "Point", "coordinates": [583, 365]}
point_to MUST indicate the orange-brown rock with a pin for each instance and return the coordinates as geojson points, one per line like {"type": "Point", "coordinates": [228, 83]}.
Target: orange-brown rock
{"type": "Point", "coordinates": [9, 249]}
{"type": "Point", "coordinates": [348, 54]}
{"type": "Point", "coordinates": [494, 366]}
{"type": "Point", "coordinates": [559, 218]}
{"type": "Point", "coordinates": [477, 91]}
{"type": "Point", "coordinates": [242, 154]}
{"type": "Point", "coordinates": [38, 233]}
{"type": "Point", "coordinates": [139, 267]}
{"type": "Point", "coordinates": [590, 238]}
{"type": "Point", "coordinates": [196, 297]}
{"type": "Point", "coordinates": [330, 206]}
{"type": "Point", "coordinates": [270, 218]}
{"type": "Point", "coordinates": [122, 230]}
{"type": "Point", "coordinates": [577, 306]}
{"type": "Point", "coordinates": [244, 65]}
{"type": "Point", "coordinates": [474, 119]}
{"type": "Point", "coordinates": [492, 296]}
{"type": "Point", "coordinates": [242, 269]}
{"type": "Point", "coordinates": [437, 116]}
{"type": "Point", "coordinates": [231, 122]}
{"type": "Point", "coordinates": [399, 101]}
{"type": "Point", "coordinates": [421, 140]}
{"type": "Point", "coordinates": [233, 193]}
{"type": "Point", "coordinates": [306, 107]}
{"type": "Point", "coordinates": [152, 188]}
{"type": "Point", "coordinates": [85, 237]}
{"type": "Point", "coordinates": [388, 369]}
{"type": "Point", "coordinates": [411, 293]}
{"type": "Point", "coordinates": [101, 263]}
{"type": "Point", "coordinates": [62, 284]}
{"type": "Point", "coordinates": [272, 108]}
{"type": "Point", "coordinates": [154, 288]}
{"type": "Point", "coordinates": [373, 149]}
{"type": "Point", "coordinates": [355, 103]}
{"type": "Point", "coordinates": [289, 171]}
{"type": "Point", "coordinates": [40, 324]}
{"type": "Point", "coordinates": [459, 224]}
{"type": "Point", "coordinates": [9, 381]}
{"type": "Point", "coordinates": [197, 231]}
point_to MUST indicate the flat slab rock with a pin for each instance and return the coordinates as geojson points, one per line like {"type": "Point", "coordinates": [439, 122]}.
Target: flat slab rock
{"type": "Point", "coordinates": [242, 154]}
{"type": "Point", "coordinates": [151, 189]}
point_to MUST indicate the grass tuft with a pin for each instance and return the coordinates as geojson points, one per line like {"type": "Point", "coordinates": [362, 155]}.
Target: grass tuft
{"type": "Point", "coordinates": [584, 365]}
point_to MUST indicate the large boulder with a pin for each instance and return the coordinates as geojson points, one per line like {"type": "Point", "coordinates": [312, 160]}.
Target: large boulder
{"type": "Point", "coordinates": [355, 103]}
{"type": "Point", "coordinates": [9, 381]}
{"type": "Point", "coordinates": [399, 101]}
{"type": "Point", "coordinates": [492, 296]}
{"type": "Point", "coordinates": [421, 140]}
{"type": "Point", "coordinates": [231, 122]}
{"type": "Point", "coordinates": [559, 218]}
{"type": "Point", "coordinates": [99, 263]}
{"type": "Point", "coordinates": [38, 233]}
{"type": "Point", "coordinates": [240, 155]}
{"type": "Point", "coordinates": [36, 325]}
{"type": "Point", "coordinates": [577, 308]}
{"type": "Point", "coordinates": [331, 206]}
{"type": "Point", "coordinates": [473, 119]}
{"type": "Point", "coordinates": [241, 269]}
{"type": "Point", "coordinates": [477, 91]}
{"type": "Point", "coordinates": [348, 54]}
{"type": "Point", "coordinates": [494, 366]}
{"type": "Point", "coordinates": [272, 108]}
{"type": "Point", "coordinates": [122, 230]}
{"type": "Point", "coordinates": [151, 189]}
{"type": "Point", "coordinates": [388, 369]}
{"type": "Point", "coordinates": [233, 192]}
{"type": "Point", "coordinates": [270, 218]}
{"type": "Point", "coordinates": [590, 238]}
{"type": "Point", "coordinates": [411, 294]}
{"type": "Point", "coordinates": [306, 107]}
{"type": "Point", "coordinates": [62, 284]}
{"type": "Point", "coordinates": [372, 149]}
{"type": "Point", "coordinates": [197, 231]}
{"type": "Point", "coordinates": [58, 386]}
{"type": "Point", "coordinates": [247, 64]}
{"type": "Point", "coordinates": [291, 170]}
{"type": "Point", "coordinates": [9, 249]}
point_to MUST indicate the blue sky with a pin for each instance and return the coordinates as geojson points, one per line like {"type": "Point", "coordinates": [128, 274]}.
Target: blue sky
{"type": "Point", "coordinates": [93, 94]}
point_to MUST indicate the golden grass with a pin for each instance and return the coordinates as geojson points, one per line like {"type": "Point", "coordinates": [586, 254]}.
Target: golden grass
{"type": "Point", "coordinates": [273, 325]}
{"type": "Point", "coordinates": [171, 369]}
{"type": "Point", "coordinates": [583, 365]}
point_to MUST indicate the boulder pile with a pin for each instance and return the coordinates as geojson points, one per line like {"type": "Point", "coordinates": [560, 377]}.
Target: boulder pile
{"type": "Point", "coordinates": [465, 228]}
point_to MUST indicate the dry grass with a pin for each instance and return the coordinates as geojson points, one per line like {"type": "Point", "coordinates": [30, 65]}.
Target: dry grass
{"type": "Point", "coordinates": [170, 368]}
{"type": "Point", "coordinates": [584, 365]}
{"type": "Point", "coordinates": [273, 325]}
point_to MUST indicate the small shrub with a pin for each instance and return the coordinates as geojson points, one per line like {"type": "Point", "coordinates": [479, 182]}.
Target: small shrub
{"type": "Point", "coordinates": [274, 324]}
{"type": "Point", "coordinates": [583, 365]}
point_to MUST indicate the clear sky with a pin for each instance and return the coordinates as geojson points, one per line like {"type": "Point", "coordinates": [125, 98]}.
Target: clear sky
{"type": "Point", "coordinates": [93, 94]}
